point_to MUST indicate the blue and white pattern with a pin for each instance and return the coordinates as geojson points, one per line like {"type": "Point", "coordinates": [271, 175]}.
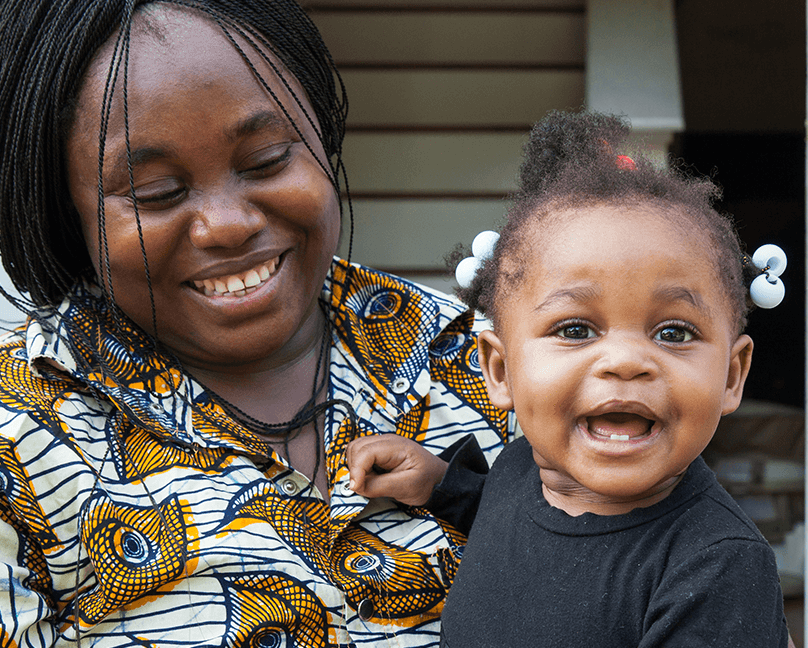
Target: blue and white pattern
{"type": "Point", "coordinates": [136, 512]}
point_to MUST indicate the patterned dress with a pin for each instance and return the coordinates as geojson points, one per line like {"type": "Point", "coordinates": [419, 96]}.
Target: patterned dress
{"type": "Point", "coordinates": [136, 512]}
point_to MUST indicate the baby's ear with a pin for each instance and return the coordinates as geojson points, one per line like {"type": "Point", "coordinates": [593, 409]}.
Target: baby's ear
{"type": "Point", "coordinates": [491, 353]}
{"type": "Point", "coordinates": [739, 363]}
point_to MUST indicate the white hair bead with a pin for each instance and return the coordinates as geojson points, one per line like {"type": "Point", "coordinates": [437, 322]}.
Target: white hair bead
{"type": "Point", "coordinates": [771, 258]}
{"type": "Point", "coordinates": [481, 248]}
{"type": "Point", "coordinates": [465, 271]}
{"type": "Point", "coordinates": [484, 243]}
{"type": "Point", "coordinates": [767, 292]}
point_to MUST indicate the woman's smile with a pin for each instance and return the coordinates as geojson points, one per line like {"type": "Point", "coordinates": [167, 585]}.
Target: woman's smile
{"type": "Point", "coordinates": [239, 284]}
{"type": "Point", "coordinates": [237, 218]}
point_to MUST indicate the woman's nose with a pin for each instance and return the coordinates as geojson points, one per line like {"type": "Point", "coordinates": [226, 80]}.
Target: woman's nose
{"type": "Point", "coordinates": [626, 357]}
{"type": "Point", "coordinates": [225, 221]}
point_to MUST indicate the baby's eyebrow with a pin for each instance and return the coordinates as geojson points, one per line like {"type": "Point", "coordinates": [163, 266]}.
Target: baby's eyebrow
{"type": "Point", "coordinates": [680, 293]}
{"type": "Point", "coordinates": [578, 295]}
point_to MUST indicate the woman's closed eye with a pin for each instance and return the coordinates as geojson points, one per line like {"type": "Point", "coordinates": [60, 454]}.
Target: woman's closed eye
{"type": "Point", "coordinates": [266, 162]}
{"type": "Point", "coordinates": [160, 194]}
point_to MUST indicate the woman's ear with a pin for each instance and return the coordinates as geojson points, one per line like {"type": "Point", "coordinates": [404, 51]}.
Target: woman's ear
{"type": "Point", "coordinates": [739, 363]}
{"type": "Point", "coordinates": [491, 353]}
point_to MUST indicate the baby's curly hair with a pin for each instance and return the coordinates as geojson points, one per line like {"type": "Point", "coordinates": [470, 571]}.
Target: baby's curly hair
{"type": "Point", "coordinates": [574, 160]}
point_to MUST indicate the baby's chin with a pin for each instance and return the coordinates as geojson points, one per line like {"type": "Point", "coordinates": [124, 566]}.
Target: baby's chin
{"type": "Point", "coordinates": [606, 494]}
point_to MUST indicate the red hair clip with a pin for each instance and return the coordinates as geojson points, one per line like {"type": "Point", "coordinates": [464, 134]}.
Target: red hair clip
{"type": "Point", "coordinates": [625, 162]}
{"type": "Point", "coordinates": [620, 161]}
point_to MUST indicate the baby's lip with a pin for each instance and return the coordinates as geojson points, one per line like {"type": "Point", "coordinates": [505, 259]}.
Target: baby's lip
{"type": "Point", "coordinates": [621, 421]}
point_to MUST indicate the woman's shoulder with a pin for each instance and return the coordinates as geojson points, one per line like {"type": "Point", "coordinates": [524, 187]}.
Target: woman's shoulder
{"type": "Point", "coordinates": [352, 284]}
{"type": "Point", "coordinates": [396, 314]}
{"type": "Point", "coordinates": [36, 371]}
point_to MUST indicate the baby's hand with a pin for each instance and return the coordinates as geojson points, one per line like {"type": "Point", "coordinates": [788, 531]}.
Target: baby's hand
{"type": "Point", "coordinates": [388, 465]}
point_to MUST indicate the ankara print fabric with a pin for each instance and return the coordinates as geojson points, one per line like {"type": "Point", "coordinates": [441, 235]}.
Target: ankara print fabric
{"type": "Point", "coordinates": [136, 512]}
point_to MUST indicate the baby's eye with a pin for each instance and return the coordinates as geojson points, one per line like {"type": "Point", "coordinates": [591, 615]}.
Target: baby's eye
{"type": "Point", "coordinates": [674, 334]}
{"type": "Point", "coordinates": [576, 332]}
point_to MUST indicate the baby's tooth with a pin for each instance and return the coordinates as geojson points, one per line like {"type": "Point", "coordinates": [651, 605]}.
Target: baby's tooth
{"type": "Point", "coordinates": [209, 285]}
{"type": "Point", "coordinates": [234, 284]}
{"type": "Point", "coordinates": [263, 273]}
{"type": "Point", "coordinates": [200, 285]}
{"type": "Point", "coordinates": [252, 279]}
{"type": "Point", "coordinates": [619, 437]}
{"type": "Point", "coordinates": [240, 293]}
{"type": "Point", "coordinates": [220, 286]}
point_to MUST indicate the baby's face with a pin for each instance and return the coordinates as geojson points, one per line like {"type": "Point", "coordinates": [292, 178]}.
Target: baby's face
{"type": "Point", "coordinates": [619, 355]}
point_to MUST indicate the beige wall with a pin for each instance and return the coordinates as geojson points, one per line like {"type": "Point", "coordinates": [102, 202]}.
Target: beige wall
{"type": "Point", "coordinates": [441, 96]}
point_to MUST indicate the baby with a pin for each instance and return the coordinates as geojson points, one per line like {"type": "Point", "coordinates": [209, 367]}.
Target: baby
{"type": "Point", "coordinates": [618, 297]}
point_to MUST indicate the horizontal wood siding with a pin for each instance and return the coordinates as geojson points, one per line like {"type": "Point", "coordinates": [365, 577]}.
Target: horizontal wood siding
{"type": "Point", "coordinates": [433, 162]}
{"type": "Point", "coordinates": [442, 95]}
{"type": "Point", "coordinates": [490, 99]}
{"type": "Point", "coordinates": [408, 234]}
{"type": "Point", "coordinates": [415, 38]}
{"type": "Point", "coordinates": [493, 6]}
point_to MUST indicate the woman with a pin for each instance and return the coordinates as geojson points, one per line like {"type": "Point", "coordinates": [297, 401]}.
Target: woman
{"type": "Point", "coordinates": [174, 414]}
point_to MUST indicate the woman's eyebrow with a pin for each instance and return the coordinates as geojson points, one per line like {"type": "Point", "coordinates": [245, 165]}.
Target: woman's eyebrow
{"type": "Point", "coordinates": [138, 156]}
{"type": "Point", "coordinates": [252, 124]}
{"type": "Point", "coordinates": [257, 122]}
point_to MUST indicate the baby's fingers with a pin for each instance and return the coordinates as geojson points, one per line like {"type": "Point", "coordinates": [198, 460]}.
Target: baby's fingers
{"type": "Point", "coordinates": [401, 486]}
{"type": "Point", "coordinates": [360, 462]}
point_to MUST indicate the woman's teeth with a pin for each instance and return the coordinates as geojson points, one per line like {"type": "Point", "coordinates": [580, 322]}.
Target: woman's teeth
{"type": "Point", "coordinates": [238, 285]}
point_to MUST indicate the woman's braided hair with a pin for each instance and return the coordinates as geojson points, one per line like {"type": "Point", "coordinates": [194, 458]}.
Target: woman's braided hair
{"type": "Point", "coordinates": [46, 48]}
{"type": "Point", "coordinates": [571, 161]}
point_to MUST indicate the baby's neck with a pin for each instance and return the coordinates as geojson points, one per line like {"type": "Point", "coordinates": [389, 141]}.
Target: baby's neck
{"type": "Point", "coordinates": [575, 500]}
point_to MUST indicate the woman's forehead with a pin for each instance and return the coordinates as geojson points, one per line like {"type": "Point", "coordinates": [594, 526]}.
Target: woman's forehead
{"type": "Point", "coordinates": [159, 29]}
{"type": "Point", "coordinates": [178, 50]}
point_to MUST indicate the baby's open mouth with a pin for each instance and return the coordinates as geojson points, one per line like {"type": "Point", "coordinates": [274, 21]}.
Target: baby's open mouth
{"type": "Point", "coordinates": [238, 285]}
{"type": "Point", "coordinates": [619, 426]}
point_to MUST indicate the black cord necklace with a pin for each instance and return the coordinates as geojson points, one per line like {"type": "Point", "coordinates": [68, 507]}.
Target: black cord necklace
{"type": "Point", "coordinates": [309, 412]}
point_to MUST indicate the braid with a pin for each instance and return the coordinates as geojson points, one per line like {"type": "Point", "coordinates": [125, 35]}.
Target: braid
{"type": "Point", "coordinates": [40, 240]}
{"type": "Point", "coordinates": [47, 46]}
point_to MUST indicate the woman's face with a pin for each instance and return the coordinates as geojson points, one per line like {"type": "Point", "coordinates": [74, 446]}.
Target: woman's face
{"type": "Point", "coordinates": [239, 219]}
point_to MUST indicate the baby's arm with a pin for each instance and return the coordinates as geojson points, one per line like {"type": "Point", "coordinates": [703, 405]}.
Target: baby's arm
{"type": "Point", "coordinates": [389, 465]}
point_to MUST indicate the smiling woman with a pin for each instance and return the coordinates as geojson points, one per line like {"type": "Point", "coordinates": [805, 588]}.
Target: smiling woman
{"type": "Point", "coordinates": [174, 414]}
{"type": "Point", "coordinates": [223, 184]}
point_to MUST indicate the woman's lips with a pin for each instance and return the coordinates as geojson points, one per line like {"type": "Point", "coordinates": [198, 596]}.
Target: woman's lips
{"type": "Point", "coordinates": [238, 285]}
{"type": "Point", "coordinates": [619, 426]}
